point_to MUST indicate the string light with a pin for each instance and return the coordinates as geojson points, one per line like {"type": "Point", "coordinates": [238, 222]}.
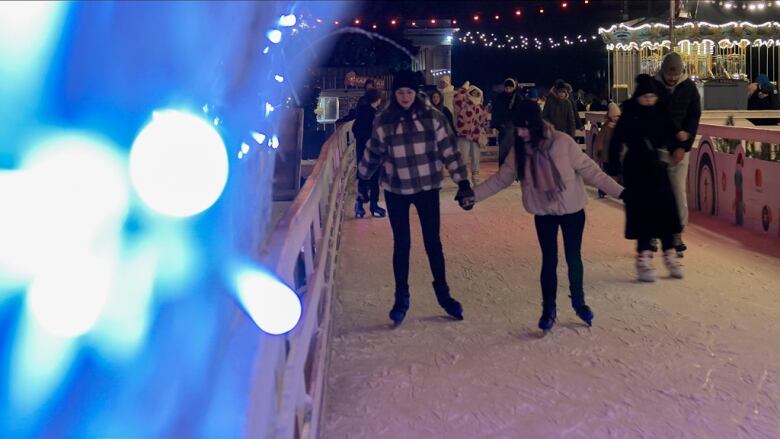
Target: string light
{"type": "Point", "coordinates": [393, 22]}
{"type": "Point", "coordinates": [518, 12]}
{"type": "Point", "coordinates": [476, 18]}
{"type": "Point", "coordinates": [521, 42]}
{"type": "Point", "coordinates": [541, 10]}
{"type": "Point", "coordinates": [357, 22]}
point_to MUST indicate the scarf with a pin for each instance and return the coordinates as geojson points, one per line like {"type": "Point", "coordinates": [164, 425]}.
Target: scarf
{"type": "Point", "coordinates": [540, 167]}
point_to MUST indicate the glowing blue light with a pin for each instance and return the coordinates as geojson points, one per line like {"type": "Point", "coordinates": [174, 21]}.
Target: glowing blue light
{"type": "Point", "coordinates": [178, 164]}
{"type": "Point", "coordinates": [268, 108]}
{"type": "Point", "coordinates": [216, 121]}
{"type": "Point", "coordinates": [265, 51]}
{"type": "Point", "coordinates": [205, 108]}
{"type": "Point", "coordinates": [66, 298]}
{"type": "Point", "coordinates": [279, 78]}
{"type": "Point", "coordinates": [72, 192]}
{"type": "Point", "coordinates": [40, 361]}
{"type": "Point", "coordinates": [244, 148]}
{"type": "Point", "coordinates": [274, 36]}
{"type": "Point", "coordinates": [240, 155]}
{"type": "Point", "coordinates": [273, 306]}
{"type": "Point", "coordinates": [287, 20]}
{"type": "Point", "coordinates": [259, 137]}
{"type": "Point", "coordinates": [274, 142]}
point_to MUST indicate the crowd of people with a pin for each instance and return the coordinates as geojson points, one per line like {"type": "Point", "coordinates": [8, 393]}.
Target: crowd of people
{"type": "Point", "coordinates": [642, 159]}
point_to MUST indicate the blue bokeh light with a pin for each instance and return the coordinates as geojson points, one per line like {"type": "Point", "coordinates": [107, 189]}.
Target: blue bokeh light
{"type": "Point", "coordinates": [273, 306]}
{"type": "Point", "coordinates": [178, 164]}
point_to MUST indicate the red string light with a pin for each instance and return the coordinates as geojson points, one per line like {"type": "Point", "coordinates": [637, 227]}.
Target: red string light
{"type": "Point", "coordinates": [336, 22]}
{"type": "Point", "coordinates": [476, 18]}
{"type": "Point", "coordinates": [454, 21]}
{"type": "Point", "coordinates": [541, 10]}
{"type": "Point", "coordinates": [518, 12]}
{"type": "Point", "coordinates": [564, 5]}
{"type": "Point", "coordinates": [433, 21]}
{"type": "Point", "coordinates": [393, 22]}
{"type": "Point", "coordinates": [373, 26]}
{"type": "Point", "coordinates": [497, 17]}
{"type": "Point", "coordinates": [357, 22]}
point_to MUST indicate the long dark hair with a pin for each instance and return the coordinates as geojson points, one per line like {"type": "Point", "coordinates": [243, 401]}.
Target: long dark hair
{"type": "Point", "coordinates": [395, 111]}
{"type": "Point", "coordinates": [527, 114]}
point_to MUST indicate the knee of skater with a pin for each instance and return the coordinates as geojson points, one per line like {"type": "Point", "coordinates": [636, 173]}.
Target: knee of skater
{"type": "Point", "coordinates": [403, 244]}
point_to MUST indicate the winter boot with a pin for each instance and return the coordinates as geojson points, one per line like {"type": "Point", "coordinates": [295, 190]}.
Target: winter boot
{"type": "Point", "coordinates": [452, 306]}
{"type": "Point", "coordinates": [401, 305]}
{"type": "Point", "coordinates": [672, 264]}
{"type": "Point", "coordinates": [377, 211]}
{"type": "Point", "coordinates": [548, 318]}
{"type": "Point", "coordinates": [644, 266]}
{"type": "Point", "coordinates": [359, 211]}
{"type": "Point", "coordinates": [679, 245]}
{"type": "Point", "coordinates": [583, 311]}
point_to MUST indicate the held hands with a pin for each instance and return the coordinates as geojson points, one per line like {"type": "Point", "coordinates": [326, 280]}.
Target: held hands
{"type": "Point", "coordinates": [465, 196]}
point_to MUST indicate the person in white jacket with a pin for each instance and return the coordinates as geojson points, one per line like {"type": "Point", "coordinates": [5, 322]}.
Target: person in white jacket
{"type": "Point", "coordinates": [551, 168]}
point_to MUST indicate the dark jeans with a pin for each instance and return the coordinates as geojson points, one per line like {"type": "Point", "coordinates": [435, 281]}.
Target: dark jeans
{"type": "Point", "coordinates": [572, 226]}
{"type": "Point", "coordinates": [427, 204]}
{"type": "Point", "coordinates": [642, 244]}
{"type": "Point", "coordinates": [370, 187]}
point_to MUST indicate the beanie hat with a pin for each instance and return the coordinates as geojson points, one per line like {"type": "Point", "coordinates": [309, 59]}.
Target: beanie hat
{"type": "Point", "coordinates": [406, 78]}
{"type": "Point", "coordinates": [645, 84]}
{"type": "Point", "coordinates": [509, 82]}
{"type": "Point", "coordinates": [560, 85]}
{"type": "Point", "coordinates": [527, 114]}
{"type": "Point", "coordinates": [672, 64]}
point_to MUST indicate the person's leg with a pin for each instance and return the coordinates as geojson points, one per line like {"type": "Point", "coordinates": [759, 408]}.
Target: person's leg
{"type": "Point", "coordinates": [644, 259]}
{"type": "Point", "coordinates": [475, 158]}
{"type": "Point", "coordinates": [373, 190]}
{"type": "Point", "coordinates": [547, 234]}
{"type": "Point", "coordinates": [428, 209]}
{"type": "Point", "coordinates": [398, 210]}
{"type": "Point", "coordinates": [362, 189]}
{"type": "Point", "coordinates": [678, 175]}
{"type": "Point", "coordinates": [572, 227]}
{"type": "Point", "coordinates": [671, 260]}
{"type": "Point", "coordinates": [506, 141]}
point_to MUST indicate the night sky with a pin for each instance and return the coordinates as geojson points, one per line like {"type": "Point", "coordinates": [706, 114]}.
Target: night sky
{"type": "Point", "coordinates": [583, 65]}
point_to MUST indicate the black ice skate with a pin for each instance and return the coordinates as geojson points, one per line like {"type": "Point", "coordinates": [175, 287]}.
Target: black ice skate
{"type": "Point", "coordinates": [359, 211]}
{"type": "Point", "coordinates": [450, 305]}
{"type": "Point", "coordinates": [377, 212]}
{"type": "Point", "coordinates": [547, 320]}
{"type": "Point", "coordinates": [401, 305]}
{"type": "Point", "coordinates": [585, 313]}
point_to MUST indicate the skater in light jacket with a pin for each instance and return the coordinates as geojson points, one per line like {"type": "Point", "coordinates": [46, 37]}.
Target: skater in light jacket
{"type": "Point", "coordinates": [551, 168]}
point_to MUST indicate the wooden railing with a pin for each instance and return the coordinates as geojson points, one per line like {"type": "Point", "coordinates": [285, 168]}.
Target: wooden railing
{"type": "Point", "coordinates": [302, 250]}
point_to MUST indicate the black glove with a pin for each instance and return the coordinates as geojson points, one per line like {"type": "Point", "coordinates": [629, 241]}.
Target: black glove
{"type": "Point", "coordinates": [624, 195]}
{"type": "Point", "coordinates": [465, 196]}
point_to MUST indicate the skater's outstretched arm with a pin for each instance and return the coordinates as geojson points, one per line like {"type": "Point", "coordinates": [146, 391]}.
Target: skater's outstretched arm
{"type": "Point", "coordinates": [502, 179]}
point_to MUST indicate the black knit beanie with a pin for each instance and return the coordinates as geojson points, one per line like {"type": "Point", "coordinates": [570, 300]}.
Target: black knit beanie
{"type": "Point", "coordinates": [406, 78]}
{"type": "Point", "coordinates": [645, 84]}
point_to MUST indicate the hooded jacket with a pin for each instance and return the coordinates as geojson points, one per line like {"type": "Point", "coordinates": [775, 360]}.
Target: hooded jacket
{"type": "Point", "coordinates": [448, 92]}
{"type": "Point", "coordinates": [683, 103]}
{"type": "Point", "coordinates": [470, 115]}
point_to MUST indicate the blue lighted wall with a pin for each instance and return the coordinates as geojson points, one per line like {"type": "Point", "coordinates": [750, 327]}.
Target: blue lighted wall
{"type": "Point", "coordinates": [116, 320]}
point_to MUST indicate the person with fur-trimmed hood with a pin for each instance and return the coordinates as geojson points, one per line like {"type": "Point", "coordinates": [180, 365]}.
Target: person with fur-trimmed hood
{"type": "Point", "coordinates": [447, 91]}
{"type": "Point", "coordinates": [679, 96]}
{"type": "Point", "coordinates": [558, 109]}
{"type": "Point", "coordinates": [552, 170]}
{"type": "Point", "coordinates": [470, 124]}
{"type": "Point", "coordinates": [645, 130]}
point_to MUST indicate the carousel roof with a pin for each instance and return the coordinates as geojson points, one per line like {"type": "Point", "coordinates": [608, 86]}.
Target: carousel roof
{"type": "Point", "coordinates": [722, 22]}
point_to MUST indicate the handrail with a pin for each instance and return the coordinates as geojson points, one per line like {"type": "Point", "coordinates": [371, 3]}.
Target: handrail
{"type": "Point", "coordinates": [749, 134]}
{"type": "Point", "coordinates": [302, 251]}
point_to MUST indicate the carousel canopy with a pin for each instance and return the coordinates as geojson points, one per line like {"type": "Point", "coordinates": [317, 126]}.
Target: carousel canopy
{"type": "Point", "coordinates": [723, 22]}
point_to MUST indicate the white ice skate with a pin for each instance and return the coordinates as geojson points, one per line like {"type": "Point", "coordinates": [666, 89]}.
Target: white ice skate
{"type": "Point", "coordinates": [644, 266]}
{"type": "Point", "coordinates": [672, 262]}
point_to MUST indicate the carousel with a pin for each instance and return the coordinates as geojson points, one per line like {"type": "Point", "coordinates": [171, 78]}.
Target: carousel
{"type": "Point", "coordinates": [725, 46]}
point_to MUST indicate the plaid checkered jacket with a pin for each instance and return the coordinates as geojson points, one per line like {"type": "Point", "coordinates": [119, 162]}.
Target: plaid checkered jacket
{"type": "Point", "coordinates": [412, 152]}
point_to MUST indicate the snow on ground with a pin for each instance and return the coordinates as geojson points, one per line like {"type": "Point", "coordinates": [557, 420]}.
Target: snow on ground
{"type": "Point", "coordinates": [698, 357]}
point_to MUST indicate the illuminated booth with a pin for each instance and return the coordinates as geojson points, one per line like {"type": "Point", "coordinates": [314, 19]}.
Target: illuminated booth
{"type": "Point", "coordinates": [724, 44]}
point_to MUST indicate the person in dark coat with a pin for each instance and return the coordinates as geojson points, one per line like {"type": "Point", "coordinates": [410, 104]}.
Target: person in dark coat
{"type": "Point", "coordinates": [763, 98]}
{"type": "Point", "coordinates": [558, 109]}
{"type": "Point", "coordinates": [681, 99]}
{"type": "Point", "coordinates": [437, 100]}
{"type": "Point", "coordinates": [646, 130]}
{"type": "Point", "coordinates": [361, 129]}
{"type": "Point", "coordinates": [501, 118]}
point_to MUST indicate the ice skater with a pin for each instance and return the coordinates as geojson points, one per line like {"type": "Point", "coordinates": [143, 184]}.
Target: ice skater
{"type": "Point", "coordinates": [646, 130]}
{"type": "Point", "coordinates": [551, 168]}
{"type": "Point", "coordinates": [412, 143]}
{"type": "Point", "coordinates": [368, 190]}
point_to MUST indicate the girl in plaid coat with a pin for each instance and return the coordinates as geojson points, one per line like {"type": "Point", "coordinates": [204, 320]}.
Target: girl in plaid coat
{"type": "Point", "coordinates": [411, 143]}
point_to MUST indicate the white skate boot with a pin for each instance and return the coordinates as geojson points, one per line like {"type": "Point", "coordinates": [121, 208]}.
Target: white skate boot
{"type": "Point", "coordinates": [644, 266]}
{"type": "Point", "coordinates": [671, 260]}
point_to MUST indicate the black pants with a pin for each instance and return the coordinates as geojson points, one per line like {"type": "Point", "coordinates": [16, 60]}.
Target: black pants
{"type": "Point", "coordinates": [642, 244]}
{"type": "Point", "coordinates": [370, 187]}
{"type": "Point", "coordinates": [427, 204]}
{"type": "Point", "coordinates": [572, 226]}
